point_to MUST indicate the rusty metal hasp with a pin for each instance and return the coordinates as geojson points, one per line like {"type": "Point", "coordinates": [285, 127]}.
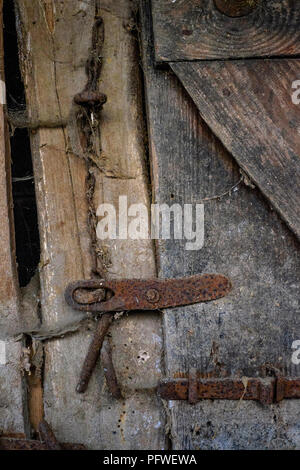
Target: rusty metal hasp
{"type": "Point", "coordinates": [150, 294]}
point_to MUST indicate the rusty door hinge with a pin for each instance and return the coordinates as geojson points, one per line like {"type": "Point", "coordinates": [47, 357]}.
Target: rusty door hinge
{"type": "Point", "coordinates": [266, 390]}
{"type": "Point", "coordinates": [149, 294]}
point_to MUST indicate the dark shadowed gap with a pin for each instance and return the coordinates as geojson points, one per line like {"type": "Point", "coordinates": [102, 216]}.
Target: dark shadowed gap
{"type": "Point", "coordinates": [25, 211]}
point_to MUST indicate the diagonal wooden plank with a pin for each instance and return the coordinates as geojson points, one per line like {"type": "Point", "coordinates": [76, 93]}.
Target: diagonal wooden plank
{"type": "Point", "coordinates": [248, 105]}
{"type": "Point", "coordinates": [196, 30]}
{"type": "Point", "coordinates": [251, 331]}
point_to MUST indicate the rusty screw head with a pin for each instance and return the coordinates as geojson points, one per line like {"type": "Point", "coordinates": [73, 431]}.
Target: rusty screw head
{"type": "Point", "coordinates": [152, 295]}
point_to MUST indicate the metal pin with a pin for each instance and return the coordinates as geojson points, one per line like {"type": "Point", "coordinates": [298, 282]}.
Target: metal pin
{"type": "Point", "coordinates": [109, 370]}
{"type": "Point", "coordinates": [48, 436]}
{"type": "Point", "coordinates": [94, 351]}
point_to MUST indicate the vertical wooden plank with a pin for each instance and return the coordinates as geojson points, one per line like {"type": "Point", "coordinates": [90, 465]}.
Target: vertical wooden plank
{"type": "Point", "coordinates": [251, 331]}
{"type": "Point", "coordinates": [54, 44]}
{"type": "Point", "coordinates": [13, 417]}
{"type": "Point", "coordinates": [53, 74]}
{"type": "Point", "coordinates": [137, 422]}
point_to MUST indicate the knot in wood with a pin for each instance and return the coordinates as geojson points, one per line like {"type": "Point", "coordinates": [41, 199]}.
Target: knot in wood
{"type": "Point", "coordinates": [236, 8]}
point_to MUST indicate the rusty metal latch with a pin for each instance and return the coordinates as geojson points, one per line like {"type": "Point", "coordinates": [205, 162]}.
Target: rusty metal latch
{"type": "Point", "coordinates": [150, 294]}
{"type": "Point", "coordinates": [107, 297]}
{"type": "Point", "coordinates": [266, 390]}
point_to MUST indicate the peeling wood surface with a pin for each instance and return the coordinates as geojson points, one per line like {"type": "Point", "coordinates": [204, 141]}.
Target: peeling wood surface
{"type": "Point", "coordinates": [12, 386]}
{"type": "Point", "coordinates": [250, 332]}
{"type": "Point", "coordinates": [55, 39]}
{"type": "Point", "coordinates": [191, 30]}
{"type": "Point", "coordinates": [256, 120]}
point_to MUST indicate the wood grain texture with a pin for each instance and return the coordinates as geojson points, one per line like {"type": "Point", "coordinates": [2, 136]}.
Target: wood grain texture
{"type": "Point", "coordinates": [13, 418]}
{"type": "Point", "coordinates": [136, 339]}
{"type": "Point", "coordinates": [248, 105]}
{"type": "Point", "coordinates": [54, 73]}
{"type": "Point", "coordinates": [193, 30]}
{"type": "Point", "coordinates": [249, 332]}
{"type": "Point", "coordinates": [51, 81]}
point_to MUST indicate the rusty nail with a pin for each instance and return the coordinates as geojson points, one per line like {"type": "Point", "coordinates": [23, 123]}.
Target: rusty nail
{"type": "Point", "coordinates": [48, 436]}
{"type": "Point", "coordinates": [109, 370]}
{"type": "Point", "coordinates": [94, 351]}
{"type": "Point", "coordinates": [90, 98]}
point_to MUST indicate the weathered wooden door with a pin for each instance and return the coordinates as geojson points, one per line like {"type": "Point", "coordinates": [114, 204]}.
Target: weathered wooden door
{"type": "Point", "coordinates": [195, 114]}
{"type": "Point", "coordinates": [216, 107]}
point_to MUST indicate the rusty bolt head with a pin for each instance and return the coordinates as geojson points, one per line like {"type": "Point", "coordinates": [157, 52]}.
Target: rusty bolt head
{"type": "Point", "coordinates": [152, 295]}
{"type": "Point", "coordinates": [90, 99]}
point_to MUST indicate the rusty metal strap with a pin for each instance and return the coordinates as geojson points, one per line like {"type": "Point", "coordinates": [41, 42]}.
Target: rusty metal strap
{"type": "Point", "coordinates": [48, 441]}
{"type": "Point", "coordinates": [22, 444]}
{"type": "Point", "coordinates": [150, 294]}
{"type": "Point", "coordinates": [265, 390]}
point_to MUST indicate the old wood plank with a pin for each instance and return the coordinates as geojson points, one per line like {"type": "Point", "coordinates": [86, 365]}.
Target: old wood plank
{"type": "Point", "coordinates": [193, 30]}
{"type": "Point", "coordinates": [251, 331]}
{"type": "Point", "coordinates": [53, 74]}
{"type": "Point", "coordinates": [13, 416]}
{"type": "Point", "coordinates": [136, 339]}
{"type": "Point", "coordinates": [256, 120]}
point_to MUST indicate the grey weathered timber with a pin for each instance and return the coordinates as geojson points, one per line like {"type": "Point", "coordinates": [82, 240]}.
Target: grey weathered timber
{"type": "Point", "coordinates": [196, 30]}
{"type": "Point", "coordinates": [248, 105]}
{"type": "Point", "coordinates": [250, 332]}
{"type": "Point", "coordinates": [13, 416]}
{"type": "Point", "coordinates": [55, 40]}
